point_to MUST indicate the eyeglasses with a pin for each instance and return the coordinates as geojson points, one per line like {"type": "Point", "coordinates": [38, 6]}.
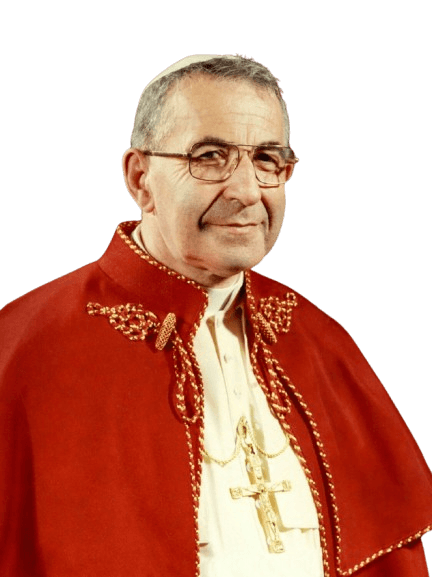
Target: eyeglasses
{"type": "Point", "coordinates": [216, 161]}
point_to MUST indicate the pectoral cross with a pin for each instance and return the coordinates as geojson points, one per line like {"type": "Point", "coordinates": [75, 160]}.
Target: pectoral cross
{"type": "Point", "coordinates": [260, 490]}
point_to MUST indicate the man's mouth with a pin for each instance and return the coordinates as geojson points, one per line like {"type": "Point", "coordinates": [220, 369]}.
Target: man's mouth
{"type": "Point", "coordinates": [234, 224]}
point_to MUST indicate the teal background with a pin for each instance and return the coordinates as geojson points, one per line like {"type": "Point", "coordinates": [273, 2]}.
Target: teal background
{"type": "Point", "coordinates": [356, 78]}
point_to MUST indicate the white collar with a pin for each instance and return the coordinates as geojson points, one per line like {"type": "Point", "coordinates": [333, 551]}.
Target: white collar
{"type": "Point", "coordinates": [221, 299]}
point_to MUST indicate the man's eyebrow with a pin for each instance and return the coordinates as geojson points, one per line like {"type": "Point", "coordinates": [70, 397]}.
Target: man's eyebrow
{"type": "Point", "coordinates": [271, 143]}
{"type": "Point", "coordinates": [215, 139]}
{"type": "Point", "coordinates": [218, 140]}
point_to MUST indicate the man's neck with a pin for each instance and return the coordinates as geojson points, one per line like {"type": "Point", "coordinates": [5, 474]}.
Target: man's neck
{"type": "Point", "coordinates": [211, 282]}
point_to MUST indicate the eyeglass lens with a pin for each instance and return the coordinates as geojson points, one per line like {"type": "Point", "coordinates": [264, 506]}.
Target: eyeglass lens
{"type": "Point", "coordinates": [217, 162]}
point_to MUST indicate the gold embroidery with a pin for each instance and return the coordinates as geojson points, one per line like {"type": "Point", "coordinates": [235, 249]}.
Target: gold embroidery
{"type": "Point", "coordinates": [131, 320]}
{"type": "Point", "coordinates": [196, 470]}
{"type": "Point", "coordinates": [278, 312]}
{"type": "Point", "coordinates": [382, 552]}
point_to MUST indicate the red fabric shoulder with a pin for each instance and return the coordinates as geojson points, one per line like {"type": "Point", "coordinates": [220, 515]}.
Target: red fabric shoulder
{"type": "Point", "coordinates": [378, 484]}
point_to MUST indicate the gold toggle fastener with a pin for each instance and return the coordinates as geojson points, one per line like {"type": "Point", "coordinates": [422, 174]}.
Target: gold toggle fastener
{"type": "Point", "coordinates": [165, 331]}
{"type": "Point", "coordinates": [266, 329]}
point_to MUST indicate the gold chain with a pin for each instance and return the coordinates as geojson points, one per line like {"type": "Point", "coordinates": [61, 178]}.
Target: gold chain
{"type": "Point", "coordinates": [223, 462]}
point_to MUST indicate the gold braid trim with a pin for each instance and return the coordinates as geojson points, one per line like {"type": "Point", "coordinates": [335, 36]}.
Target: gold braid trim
{"type": "Point", "coordinates": [196, 487]}
{"type": "Point", "coordinates": [382, 552]}
{"type": "Point", "coordinates": [279, 312]}
{"type": "Point", "coordinates": [149, 259]}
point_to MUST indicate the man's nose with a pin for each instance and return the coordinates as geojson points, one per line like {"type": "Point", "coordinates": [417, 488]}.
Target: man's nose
{"type": "Point", "coordinates": [243, 185]}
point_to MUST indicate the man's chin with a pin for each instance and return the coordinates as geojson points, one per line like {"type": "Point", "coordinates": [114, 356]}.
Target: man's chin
{"type": "Point", "coordinates": [221, 271]}
{"type": "Point", "coordinates": [233, 267]}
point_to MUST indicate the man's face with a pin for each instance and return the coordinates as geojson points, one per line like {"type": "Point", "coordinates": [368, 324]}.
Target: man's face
{"type": "Point", "coordinates": [204, 230]}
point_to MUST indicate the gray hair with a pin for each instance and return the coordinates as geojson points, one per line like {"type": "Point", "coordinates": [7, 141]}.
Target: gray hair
{"type": "Point", "coordinates": [147, 132]}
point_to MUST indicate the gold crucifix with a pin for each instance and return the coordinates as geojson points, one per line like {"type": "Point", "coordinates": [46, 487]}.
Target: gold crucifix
{"type": "Point", "coordinates": [260, 490]}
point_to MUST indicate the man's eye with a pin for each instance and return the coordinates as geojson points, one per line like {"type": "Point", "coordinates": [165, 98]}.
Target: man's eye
{"type": "Point", "coordinates": [209, 154]}
{"type": "Point", "coordinates": [264, 157]}
{"type": "Point", "coordinates": [267, 160]}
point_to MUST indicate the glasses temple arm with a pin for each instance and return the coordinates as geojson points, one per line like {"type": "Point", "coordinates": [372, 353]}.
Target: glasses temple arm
{"type": "Point", "coordinates": [165, 154]}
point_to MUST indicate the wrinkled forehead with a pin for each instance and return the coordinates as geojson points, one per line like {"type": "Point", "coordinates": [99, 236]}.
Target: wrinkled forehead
{"type": "Point", "coordinates": [204, 107]}
{"type": "Point", "coordinates": [203, 93]}
{"type": "Point", "coordinates": [202, 100]}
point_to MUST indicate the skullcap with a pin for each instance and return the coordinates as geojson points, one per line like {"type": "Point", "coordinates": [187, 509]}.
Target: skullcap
{"type": "Point", "coordinates": [184, 62]}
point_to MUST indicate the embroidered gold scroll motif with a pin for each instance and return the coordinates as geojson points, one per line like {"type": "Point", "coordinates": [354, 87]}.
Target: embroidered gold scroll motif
{"type": "Point", "coordinates": [131, 320]}
{"type": "Point", "coordinates": [135, 323]}
{"type": "Point", "coordinates": [278, 312]}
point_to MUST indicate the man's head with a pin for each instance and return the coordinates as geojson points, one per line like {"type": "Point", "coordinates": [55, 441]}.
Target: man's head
{"type": "Point", "coordinates": [151, 124]}
{"type": "Point", "coordinates": [207, 230]}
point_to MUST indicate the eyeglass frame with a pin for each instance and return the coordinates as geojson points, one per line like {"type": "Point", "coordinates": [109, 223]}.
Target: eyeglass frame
{"type": "Point", "coordinates": [253, 147]}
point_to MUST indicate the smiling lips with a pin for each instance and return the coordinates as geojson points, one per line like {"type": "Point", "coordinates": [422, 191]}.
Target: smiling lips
{"type": "Point", "coordinates": [237, 229]}
{"type": "Point", "coordinates": [235, 224]}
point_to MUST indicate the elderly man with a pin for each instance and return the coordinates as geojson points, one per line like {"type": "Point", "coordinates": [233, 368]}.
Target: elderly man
{"type": "Point", "coordinates": [166, 411]}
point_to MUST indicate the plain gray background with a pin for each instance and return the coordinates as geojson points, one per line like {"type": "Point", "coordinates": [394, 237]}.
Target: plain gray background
{"type": "Point", "coordinates": [356, 79]}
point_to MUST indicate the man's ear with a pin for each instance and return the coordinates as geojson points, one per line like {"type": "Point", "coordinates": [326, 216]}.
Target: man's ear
{"type": "Point", "coordinates": [135, 168]}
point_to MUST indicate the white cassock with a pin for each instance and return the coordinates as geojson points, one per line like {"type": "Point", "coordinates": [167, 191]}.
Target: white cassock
{"type": "Point", "coordinates": [232, 538]}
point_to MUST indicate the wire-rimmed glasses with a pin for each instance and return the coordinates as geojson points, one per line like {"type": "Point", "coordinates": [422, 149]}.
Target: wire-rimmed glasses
{"type": "Point", "coordinates": [214, 161]}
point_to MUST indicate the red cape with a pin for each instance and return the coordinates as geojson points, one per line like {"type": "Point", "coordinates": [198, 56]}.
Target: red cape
{"type": "Point", "coordinates": [101, 430]}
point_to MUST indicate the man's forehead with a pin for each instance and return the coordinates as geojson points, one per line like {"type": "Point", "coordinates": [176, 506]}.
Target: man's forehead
{"type": "Point", "coordinates": [202, 93]}
{"type": "Point", "coordinates": [201, 105]}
